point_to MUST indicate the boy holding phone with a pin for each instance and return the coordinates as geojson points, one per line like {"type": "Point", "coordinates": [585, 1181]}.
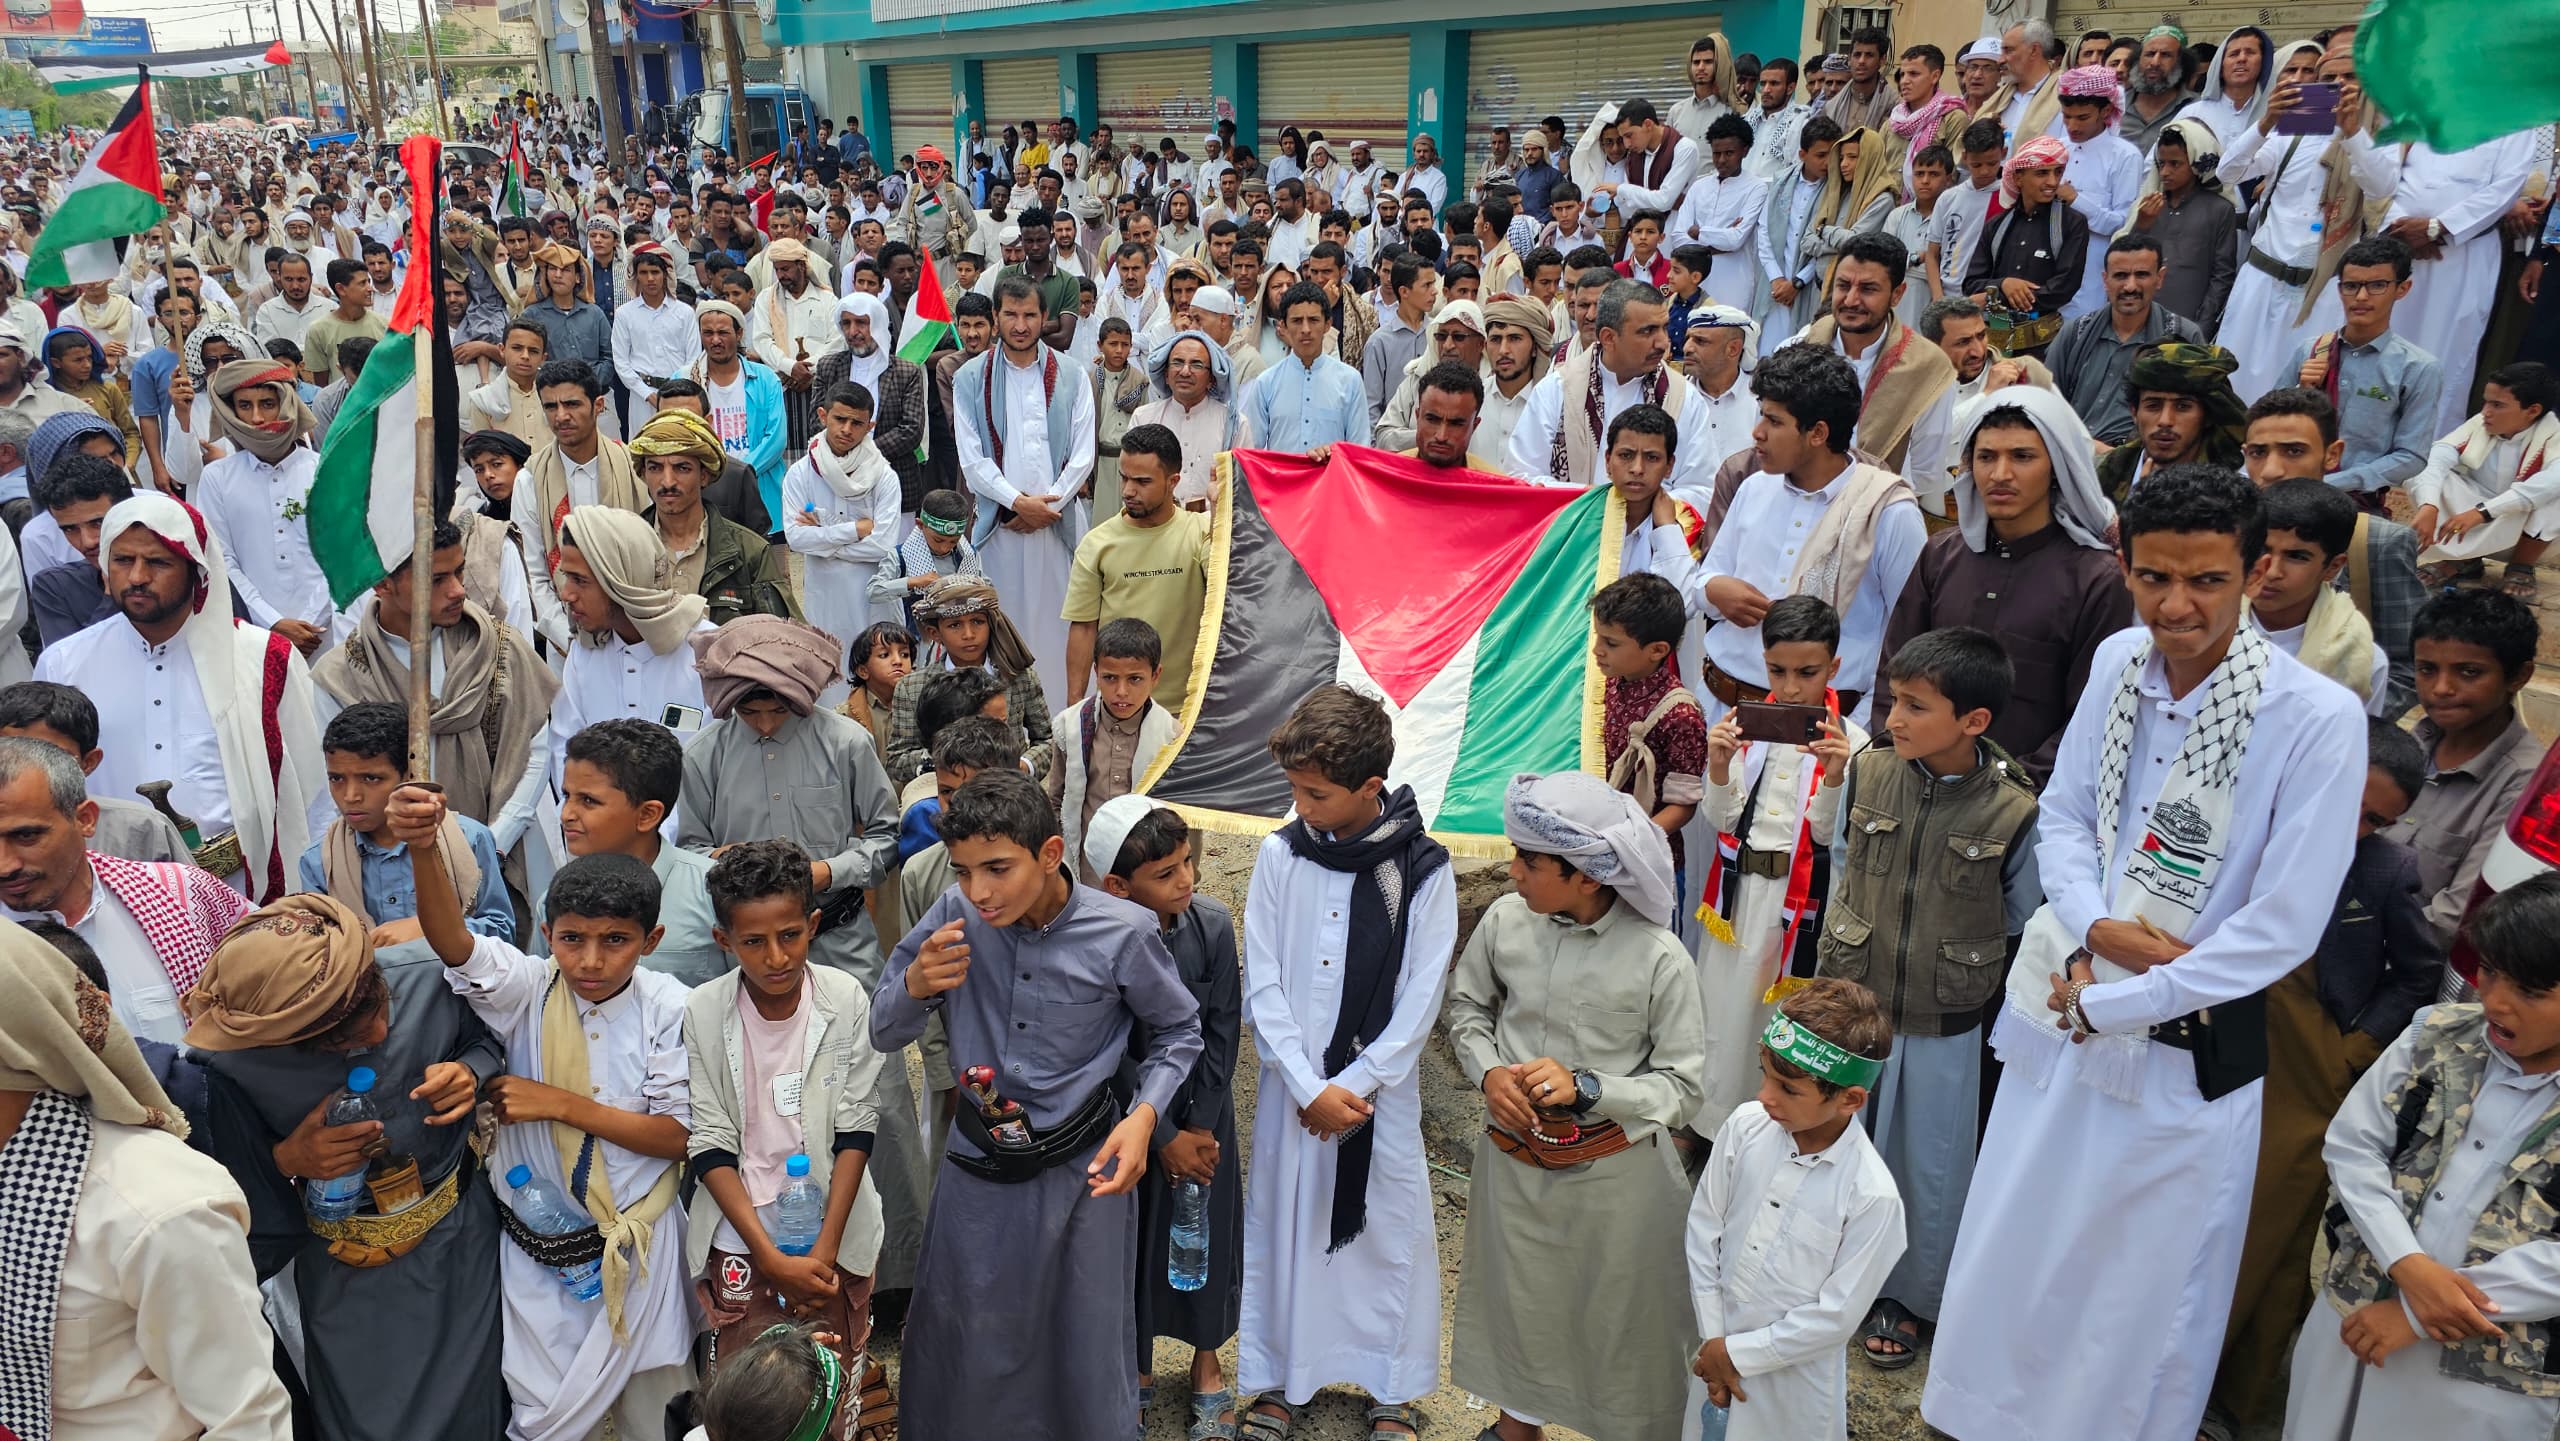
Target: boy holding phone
{"type": "Point", "coordinates": [1934, 871]}
{"type": "Point", "coordinates": [1772, 803]}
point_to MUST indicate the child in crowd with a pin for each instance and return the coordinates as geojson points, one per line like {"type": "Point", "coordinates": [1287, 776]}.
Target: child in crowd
{"type": "Point", "coordinates": [1684, 285]}
{"type": "Point", "coordinates": [1113, 736]}
{"type": "Point", "coordinates": [2475, 650]}
{"type": "Point", "coordinates": [1785, 1256]}
{"type": "Point", "coordinates": [2440, 1159]}
{"type": "Point", "coordinates": [950, 696]}
{"type": "Point", "coordinates": [937, 547]}
{"type": "Point", "coordinates": [1349, 927]}
{"type": "Point", "coordinates": [1956, 224]}
{"type": "Point", "coordinates": [961, 749]}
{"type": "Point", "coordinates": [1775, 809]}
{"type": "Point", "coordinates": [1031, 1248]}
{"type": "Point", "coordinates": [963, 614]}
{"type": "Point", "coordinates": [1645, 260]}
{"type": "Point", "coordinates": [2492, 486]}
{"type": "Point", "coordinates": [360, 862]}
{"type": "Point", "coordinates": [783, 1067]}
{"type": "Point", "coordinates": [2327, 1021]}
{"type": "Point", "coordinates": [1790, 246]}
{"type": "Point", "coordinates": [602, 1116]}
{"type": "Point", "coordinates": [1142, 851]}
{"type": "Point", "coordinates": [76, 364]}
{"type": "Point", "coordinates": [2310, 524]}
{"type": "Point", "coordinates": [1654, 733]}
{"type": "Point", "coordinates": [880, 657]}
{"type": "Point", "coordinates": [840, 515]}
{"type": "Point", "coordinates": [1663, 531]}
{"type": "Point", "coordinates": [1933, 873]}
{"type": "Point", "coordinates": [785, 1382]}
{"type": "Point", "coordinates": [1575, 1012]}
{"type": "Point", "coordinates": [1909, 223]}
{"type": "Point", "coordinates": [617, 788]}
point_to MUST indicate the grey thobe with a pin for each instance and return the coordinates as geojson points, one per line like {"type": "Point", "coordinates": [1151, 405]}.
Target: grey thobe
{"type": "Point", "coordinates": [2200, 248]}
{"type": "Point", "coordinates": [817, 782]}
{"type": "Point", "coordinates": [407, 1351]}
{"type": "Point", "coordinates": [1203, 942]}
{"type": "Point", "coordinates": [1619, 998]}
{"type": "Point", "coordinates": [1024, 1320]}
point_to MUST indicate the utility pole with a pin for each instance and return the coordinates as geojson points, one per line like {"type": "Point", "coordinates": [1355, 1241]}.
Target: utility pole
{"type": "Point", "coordinates": [372, 68]}
{"type": "Point", "coordinates": [737, 49]}
{"type": "Point", "coordinates": [435, 72]}
{"type": "Point", "coordinates": [608, 91]}
{"type": "Point", "coordinates": [310, 78]}
{"type": "Point", "coordinates": [633, 83]}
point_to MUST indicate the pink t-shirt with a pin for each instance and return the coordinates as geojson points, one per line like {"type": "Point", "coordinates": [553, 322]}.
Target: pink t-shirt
{"type": "Point", "coordinates": [769, 1132]}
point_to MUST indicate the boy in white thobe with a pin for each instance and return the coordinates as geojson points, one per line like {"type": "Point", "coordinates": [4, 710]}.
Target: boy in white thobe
{"type": "Point", "coordinates": [840, 514]}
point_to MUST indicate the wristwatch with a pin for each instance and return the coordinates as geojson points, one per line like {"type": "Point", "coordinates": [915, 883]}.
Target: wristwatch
{"type": "Point", "coordinates": [1586, 1092]}
{"type": "Point", "coordinates": [2435, 230]}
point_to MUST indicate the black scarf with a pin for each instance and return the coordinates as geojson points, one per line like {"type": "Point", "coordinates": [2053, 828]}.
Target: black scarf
{"type": "Point", "coordinates": [1388, 861]}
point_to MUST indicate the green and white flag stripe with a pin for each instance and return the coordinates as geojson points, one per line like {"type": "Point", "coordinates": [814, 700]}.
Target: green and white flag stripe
{"type": "Point", "coordinates": [362, 525]}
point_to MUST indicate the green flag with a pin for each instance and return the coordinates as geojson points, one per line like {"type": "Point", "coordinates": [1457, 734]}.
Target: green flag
{"type": "Point", "coordinates": [2420, 61]}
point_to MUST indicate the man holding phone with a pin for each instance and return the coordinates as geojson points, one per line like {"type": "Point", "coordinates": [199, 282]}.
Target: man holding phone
{"type": "Point", "coordinates": [2275, 301]}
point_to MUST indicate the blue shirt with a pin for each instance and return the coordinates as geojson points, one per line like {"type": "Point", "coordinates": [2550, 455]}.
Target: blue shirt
{"type": "Point", "coordinates": [1296, 407]}
{"type": "Point", "coordinates": [2387, 395]}
{"type": "Point", "coordinates": [151, 376]}
{"type": "Point", "coordinates": [391, 894]}
{"type": "Point", "coordinates": [13, 486]}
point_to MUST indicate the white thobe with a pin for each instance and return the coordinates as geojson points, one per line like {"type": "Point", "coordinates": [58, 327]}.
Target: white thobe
{"type": "Point", "coordinates": [1726, 433]}
{"type": "Point", "coordinates": [809, 321]}
{"type": "Point", "coordinates": [2334, 1396]}
{"type": "Point", "coordinates": [1431, 180]}
{"type": "Point", "coordinates": [1367, 1315]}
{"type": "Point", "coordinates": [1786, 1254]}
{"type": "Point", "coordinates": [153, 724]}
{"type": "Point", "coordinates": [624, 680]}
{"type": "Point", "coordinates": [2288, 229]}
{"type": "Point", "coordinates": [1724, 216]}
{"type": "Point", "coordinates": [2105, 174]}
{"type": "Point", "coordinates": [42, 546]}
{"type": "Point", "coordinates": [1292, 239]}
{"type": "Point", "coordinates": [278, 319]}
{"type": "Point", "coordinates": [2516, 509]}
{"type": "Point", "coordinates": [1030, 572]}
{"type": "Point", "coordinates": [2448, 302]}
{"type": "Point", "coordinates": [1634, 199]}
{"type": "Point", "coordinates": [1497, 419]}
{"type": "Point", "coordinates": [507, 824]}
{"type": "Point", "coordinates": [1773, 139]}
{"type": "Point", "coordinates": [141, 993]}
{"type": "Point", "coordinates": [565, 1369]}
{"type": "Point", "coordinates": [660, 341]}
{"type": "Point", "coordinates": [1762, 534]}
{"type": "Point", "coordinates": [1202, 429]}
{"type": "Point", "coordinates": [838, 562]}
{"type": "Point", "coordinates": [1533, 438]}
{"type": "Point", "coordinates": [244, 501]}
{"type": "Point", "coordinates": [2141, 1202]}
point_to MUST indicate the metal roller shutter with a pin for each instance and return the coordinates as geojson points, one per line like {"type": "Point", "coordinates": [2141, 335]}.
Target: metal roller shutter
{"type": "Point", "coordinates": [1349, 89]}
{"type": "Point", "coordinates": [1150, 94]}
{"type": "Point", "coordinates": [919, 108]}
{"type": "Point", "coordinates": [1020, 89]}
{"type": "Point", "coordinates": [1518, 77]}
{"type": "Point", "coordinates": [2205, 23]}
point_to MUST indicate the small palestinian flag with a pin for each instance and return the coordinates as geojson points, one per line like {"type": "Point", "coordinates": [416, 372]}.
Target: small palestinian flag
{"type": "Point", "coordinates": [1461, 602]}
{"type": "Point", "coordinates": [116, 193]}
{"type": "Point", "coordinates": [361, 512]}
{"type": "Point", "coordinates": [511, 198]}
{"type": "Point", "coordinates": [928, 324]}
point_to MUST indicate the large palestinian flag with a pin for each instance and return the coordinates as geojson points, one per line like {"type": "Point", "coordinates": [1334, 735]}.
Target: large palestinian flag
{"type": "Point", "coordinates": [1461, 602]}
{"type": "Point", "coordinates": [116, 194]}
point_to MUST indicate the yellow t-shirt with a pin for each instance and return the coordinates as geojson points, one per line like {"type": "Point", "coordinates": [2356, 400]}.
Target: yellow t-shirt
{"type": "Point", "coordinates": [1157, 575]}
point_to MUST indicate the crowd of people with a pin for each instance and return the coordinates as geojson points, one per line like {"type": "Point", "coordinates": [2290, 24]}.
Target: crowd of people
{"type": "Point", "coordinates": [1945, 961]}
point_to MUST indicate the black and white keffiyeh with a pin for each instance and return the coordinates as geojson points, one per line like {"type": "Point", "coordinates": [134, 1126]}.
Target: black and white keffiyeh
{"type": "Point", "coordinates": [40, 1171]}
{"type": "Point", "coordinates": [2168, 879]}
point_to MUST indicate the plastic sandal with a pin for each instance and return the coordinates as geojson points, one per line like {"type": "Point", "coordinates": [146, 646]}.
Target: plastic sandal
{"type": "Point", "coordinates": [1408, 1415]}
{"type": "Point", "coordinates": [1206, 1406]}
{"type": "Point", "coordinates": [1884, 1323]}
{"type": "Point", "coordinates": [1254, 1424]}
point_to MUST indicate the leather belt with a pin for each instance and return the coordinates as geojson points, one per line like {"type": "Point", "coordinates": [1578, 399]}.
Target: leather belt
{"type": "Point", "coordinates": [1729, 689]}
{"type": "Point", "coordinates": [1767, 865]}
{"type": "Point", "coordinates": [1579, 1145]}
{"type": "Point", "coordinates": [1068, 1140]}
{"type": "Point", "coordinates": [2184, 1032]}
{"type": "Point", "coordinates": [2296, 276]}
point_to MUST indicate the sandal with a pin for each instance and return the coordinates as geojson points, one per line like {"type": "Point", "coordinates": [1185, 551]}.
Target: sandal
{"type": "Point", "coordinates": [1260, 1425]}
{"type": "Point", "coordinates": [1146, 1398]}
{"type": "Point", "coordinates": [1401, 1414]}
{"type": "Point", "coordinates": [876, 1416]}
{"type": "Point", "coordinates": [1885, 1323]}
{"type": "Point", "coordinates": [1206, 1408]}
{"type": "Point", "coordinates": [2439, 575]}
{"type": "Point", "coordinates": [2521, 583]}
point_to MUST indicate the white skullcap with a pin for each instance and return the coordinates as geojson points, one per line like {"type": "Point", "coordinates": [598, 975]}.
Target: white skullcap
{"type": "Point", "coordinates": [1215, 299]}
{"type": "Point", "coordinates": [1109, 829]}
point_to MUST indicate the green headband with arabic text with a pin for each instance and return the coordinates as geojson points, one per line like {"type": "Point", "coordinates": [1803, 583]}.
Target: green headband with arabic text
{"type": "Point", "coordinates": [1817, 1057]}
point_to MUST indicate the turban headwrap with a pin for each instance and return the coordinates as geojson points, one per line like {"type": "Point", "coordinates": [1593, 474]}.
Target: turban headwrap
{"type": "Point", "coordinates": [633, 566]}
{"type": "Point", "coordinates": [793, 659]}
{"type": "Point", "coordinates": [286, 973]}
{"type": "Point", "coordinates": [681, 432]}
{"type": "Point", "coordinates": [2080, 504]}
{"type": "Point", "coordinates": [1600, 829]}
{"type": "Point", "coordinates": [2095, 82]}
{"type": "Point", "coordinates": [786, 249]}
{"type": "Point", "coordinates": [2042, 153]}
{"type": "Point", "coordinates": [294, 420]}
{"type": "Point", "coordinates": [59, 1033]}
{"type": "Point", "coordinates": [2203, 371]}
{"type": "Point", "coordinates": [955, 596]}
{"type": "Point", "coordinates": [721, 307]}
{"type": "Point", "coordinates": [1532, 317]}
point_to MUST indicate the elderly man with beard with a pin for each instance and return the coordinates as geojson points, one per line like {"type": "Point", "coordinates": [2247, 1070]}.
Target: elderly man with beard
{"type": "Point", "coordinates": [898, 390]}
{"type": "Point", "coordinates": [2027, 560]}
{"type": "Point", "coordinates": [1193, 377]}
{"type": "Point", "coordinates": [1558, 437]}
{"type": "Point", "coordinates": [792, 329]}
{"type": "Point", "coordinates": [734, 570]}
{"type": "Point", "coordinates": [2183, 410]}
{"type": "Point", "coordinates": [251, 498]}
{"type": "Point", "coordinates": [2159, 86]}
{"type": "Point", "coordinates": [220, 709]}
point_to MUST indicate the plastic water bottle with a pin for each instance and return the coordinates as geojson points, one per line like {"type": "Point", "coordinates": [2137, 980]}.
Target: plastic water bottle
{"type": "Point", "coordinates": [800, 1210]}
{"type": "Point", "coordinates": [542, 1208]}
{"type": "Point", "coordinates": [1187, 1260]}
{"type": "Point", "coordinates": [336, 1199]}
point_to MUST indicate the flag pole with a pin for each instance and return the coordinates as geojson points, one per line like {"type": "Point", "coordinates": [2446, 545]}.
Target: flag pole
{"type": "Point", "coordinates": [423, 508]}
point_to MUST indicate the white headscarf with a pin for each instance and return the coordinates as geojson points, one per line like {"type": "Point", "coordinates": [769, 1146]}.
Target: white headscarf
{"type": "Point", "coordinates": [2256, 109]}
{"type": "Point", "coordinates": [269, 807]}
{"type": "Point", "coordinates": [865, 370]}
{"type": "Point", "coordinates": [1599, 828]}
{"type": "Point", "coordinates": [2080, 504]}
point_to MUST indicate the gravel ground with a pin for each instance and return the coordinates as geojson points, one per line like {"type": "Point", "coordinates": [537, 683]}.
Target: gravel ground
{"type": "Point", "coordinates": [1881, 1407]}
